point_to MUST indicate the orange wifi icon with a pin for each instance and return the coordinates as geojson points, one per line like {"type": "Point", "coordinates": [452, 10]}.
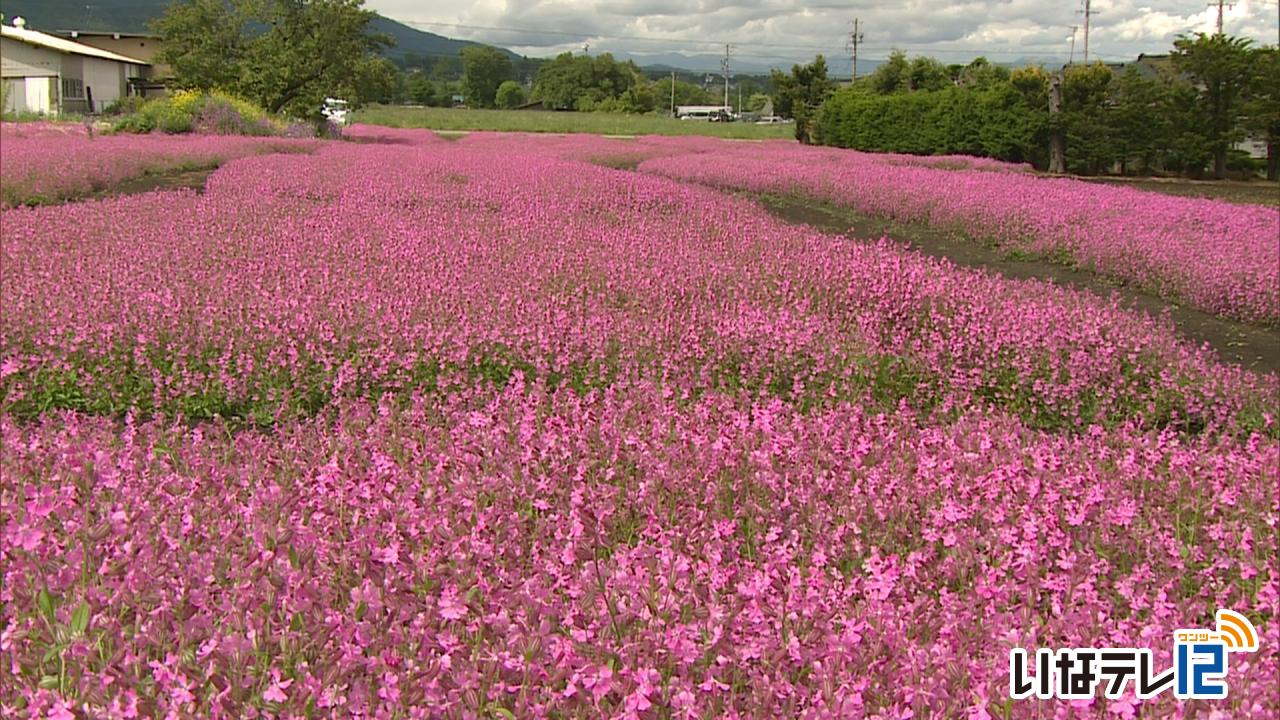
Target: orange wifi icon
{"type": "Point", "coordinates": [1237, 632]}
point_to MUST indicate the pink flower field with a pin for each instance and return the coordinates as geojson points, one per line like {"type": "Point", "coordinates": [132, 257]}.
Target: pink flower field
{"type": "Point", "coordinates": [489, 428]}
{"type": "Point", "coordinates": [48, 162]}
{"type": "Point", "coordinates": [1218, 257]}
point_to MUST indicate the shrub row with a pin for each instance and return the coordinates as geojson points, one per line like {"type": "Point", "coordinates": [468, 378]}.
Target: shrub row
{"type": "Point", "coordinates": [994, 122]}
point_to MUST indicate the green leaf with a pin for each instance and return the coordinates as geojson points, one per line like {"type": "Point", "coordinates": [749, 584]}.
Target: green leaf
{"type": "Point", "coordinates": [293, 558]}
{"type": "Point", "coordinates": [48, 682]}
{"type": "Point", "coordinates": [296, 623]}
{"type": "Point", "coordinates": [500, 711]}
{"type": "Point", "coordinates": [80, 620]}
{"type": "Point", "coordinates": [45, 603]}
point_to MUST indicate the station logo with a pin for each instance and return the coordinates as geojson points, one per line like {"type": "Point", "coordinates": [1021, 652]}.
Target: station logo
{"type": "Point", "coordinates": [1200, 664]}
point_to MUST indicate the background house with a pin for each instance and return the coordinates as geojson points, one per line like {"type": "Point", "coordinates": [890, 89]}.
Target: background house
{"type": "Point", "coordinates": [142, 46]}
{"type": "Point", "coordinates": [47, 74]}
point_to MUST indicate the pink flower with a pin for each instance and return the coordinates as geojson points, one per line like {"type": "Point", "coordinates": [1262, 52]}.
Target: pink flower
{"type": "Point", "coordinates": [276, 692]}
{"type": "Point", "coordinates": [451, 607]}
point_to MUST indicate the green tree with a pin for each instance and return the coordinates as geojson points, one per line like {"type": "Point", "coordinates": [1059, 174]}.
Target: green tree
{"type": "Point", "coordinates": [510, 95]}
{"type": "Point", "coordinates": [1220, 69]}
{"type": "Point", "coordinates": [1187, 149]}
{"type": "Point", "coordinates": [1262, 109]}
{"type": "Point", "coordinates": [419, 89]}
{"type": "Point", "coordinates": [893, 75]}
{"type": "Point", "coordinates": [639, 98]}
{"type": "Point", "coordinates": [898, 74]}
{"type": "Point", "coordinates": [204, 42]}
{"type": "Point", "coordinates": [926, 73]}
{"type": "Point", "coordinates": [1091, 147]}
{"type": "Point", "coordinates": [378, 81]}
{"type": "Point", "coordinates": [980, 73]}
{"type": "Point", "coordinates": [483, 69]}
{"type": "Point", "coordinates": [800, 94]}
{"type": "Point", "coordinates": [446, 69]}
{"type": "Point", "coordinates": [562, 80]}
{"type": "Point", "coordinates": [286, 55]}
{"type": "Point", "coordinates": [1138, 119]}
{"type": "Point", "coordinates": [756, 102]}
{"type": "Point", "coordinates": [579, 82]}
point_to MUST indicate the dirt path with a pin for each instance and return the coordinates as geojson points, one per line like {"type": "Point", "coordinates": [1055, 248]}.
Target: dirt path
{"type": "Point", "coordinates": [1251, 346]}
{"type": "Point", "coordinates": [171, 180]}
{"type": "Point", "coordinates": [1251, 192]}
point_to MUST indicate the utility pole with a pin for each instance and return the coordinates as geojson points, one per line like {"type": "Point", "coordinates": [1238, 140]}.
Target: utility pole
{"type": "Point", "coordinates": [1057, 143]}
{"type": "Point", "coordinates": [673, 93]}
{"type": "Point", "coordinates": [724, 64]}
{"type": "Point", "coordinates": [1221, 3]}
{"type": "Point", "coordinates": [855, 39]}
{"type": "Point", "coordinates": [1088, 12]}
{"type": "Point", "coordinates": [1072, 57]}
{"type": "Point", "coordinates": [586, 48]}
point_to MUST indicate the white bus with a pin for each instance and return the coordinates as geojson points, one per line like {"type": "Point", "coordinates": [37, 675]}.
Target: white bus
{"type": "Point", "coordinates": [715, 113]}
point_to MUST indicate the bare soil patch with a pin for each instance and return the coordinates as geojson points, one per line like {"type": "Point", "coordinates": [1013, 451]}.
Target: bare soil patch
{"type": "Point", "coordinates": [1251, 346]}
{"type": "Point", "coordinates": [193, 179]}
{"type": "Point", "coordinates": [1255, 192]}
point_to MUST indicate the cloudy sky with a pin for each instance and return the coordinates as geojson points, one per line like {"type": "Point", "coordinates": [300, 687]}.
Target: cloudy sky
{"type": "Point", "coordinates": [784, 31]}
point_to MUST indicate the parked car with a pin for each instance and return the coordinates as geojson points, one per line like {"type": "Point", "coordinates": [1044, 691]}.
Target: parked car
{"type": "Point", "coordinates": [773, 120]}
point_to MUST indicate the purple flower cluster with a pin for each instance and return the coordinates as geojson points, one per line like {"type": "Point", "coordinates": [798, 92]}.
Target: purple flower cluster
{"type": "Point", "coordinates": [425, 429]}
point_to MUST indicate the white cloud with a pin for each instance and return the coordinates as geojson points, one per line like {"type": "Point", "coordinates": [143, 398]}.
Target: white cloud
{"type": "Point", "coordinates": [785, 31]}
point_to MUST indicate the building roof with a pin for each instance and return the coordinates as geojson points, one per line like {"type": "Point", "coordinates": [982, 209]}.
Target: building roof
{"type": "Point", "coordinates": [73, 34]}
{"type": "Point", "coordinates": [32, 37]}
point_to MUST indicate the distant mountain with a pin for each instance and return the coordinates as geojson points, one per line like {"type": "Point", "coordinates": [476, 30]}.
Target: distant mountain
{"type": "Point", "coordinates": [132, 16]}
{"type": "Point", "coordinates": [419, 42]}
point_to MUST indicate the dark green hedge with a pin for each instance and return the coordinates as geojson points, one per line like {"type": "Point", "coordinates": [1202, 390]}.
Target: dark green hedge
{"type": "Point", "coordinates": [996, 122]}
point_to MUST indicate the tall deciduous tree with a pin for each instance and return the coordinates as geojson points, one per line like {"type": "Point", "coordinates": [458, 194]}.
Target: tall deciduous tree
{"type": "Point", "coordinates": [484, 69]}
{"type": "Point", "coordinates": [578, 82]}
{"type": "Point", "coordinates": [800, 94]}
{"type": "Point", "coordinates": [204, 42]}
{"type": "Point", "coordinates": [1220, 69]}
{"type": "Point", "coordinates": [287, 55]}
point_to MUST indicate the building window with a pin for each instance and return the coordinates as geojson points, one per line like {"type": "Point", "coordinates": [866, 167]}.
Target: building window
{"type": "Point", "coordinates": [72, 88]}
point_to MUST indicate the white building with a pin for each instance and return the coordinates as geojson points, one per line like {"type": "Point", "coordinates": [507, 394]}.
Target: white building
{"type": "Point", "coordinates": [49, 75]}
